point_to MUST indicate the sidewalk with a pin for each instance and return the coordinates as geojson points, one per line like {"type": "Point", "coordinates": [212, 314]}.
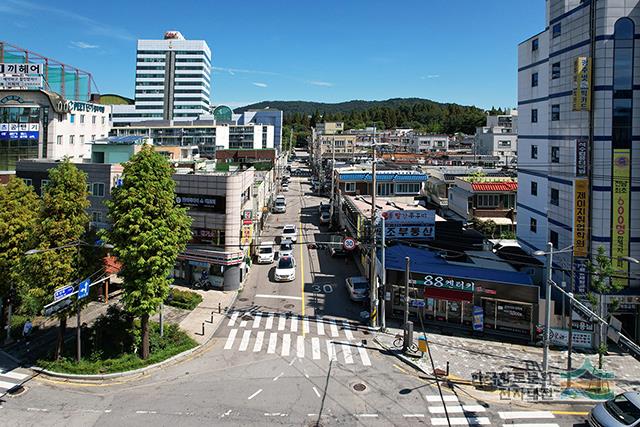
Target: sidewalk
{"type": "Point", "coordinates": [515, 366]}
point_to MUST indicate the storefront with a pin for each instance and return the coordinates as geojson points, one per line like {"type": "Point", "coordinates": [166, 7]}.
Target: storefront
{"type": "Point", "coordinates": [220, 269]}
{"type": "Point", "coordinates": [462, 294]}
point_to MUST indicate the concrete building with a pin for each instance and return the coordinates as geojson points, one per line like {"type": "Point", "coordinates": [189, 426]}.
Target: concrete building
{"type": "Point", "coordinates": [578, 159]}
{"type": "Point", "coordinates": [357, 181]}
{"type": "Point", "coordinates": [173, 81]}
{"type": "Point", "coordinates": [499, 138]}
{"type": "Point", "coordinates": [329, 128]}
{"type": "Point", "coordinates": [265, 116]}
{"type": "Point", "coordinates": [427, 143]}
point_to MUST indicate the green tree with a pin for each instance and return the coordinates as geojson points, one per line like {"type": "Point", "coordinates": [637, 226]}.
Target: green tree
{"type": "Point", "coordinates": [149, 231]}
{"type": "Point", "coordinates": [601, 271]}
{"type": "Point", "coordinates": [19, 213]}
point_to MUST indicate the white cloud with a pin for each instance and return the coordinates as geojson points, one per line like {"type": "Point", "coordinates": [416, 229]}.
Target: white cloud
{"type": "Point", "coordinates": [320, 83]}
{"type": "Point", "coordinates": [430, 76]}
{"type": "Point", "coordinates": [259, 84]}
{"type": "Point", "coordinates": [84, 45]}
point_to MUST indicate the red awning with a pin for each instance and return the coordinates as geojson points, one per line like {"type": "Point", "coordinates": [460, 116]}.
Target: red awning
{"type": "Point", "coordinates": [448, 294]}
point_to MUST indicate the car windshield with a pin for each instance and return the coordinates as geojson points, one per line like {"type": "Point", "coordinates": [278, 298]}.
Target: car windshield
{"type": "Point", "coordinates": [623, 409]}
{"type": "Point", "coordinates": [289, 231]}
{"type": "Point", "coordinates": [360, 284]}
{"type": "Point", "coordinates": [285, 262]}
{"type": "Point", "coordinates": [266, 250]}
{"type": "Point", "coordinates": [280, 203]}
{"type": "Point", "coordinates": [286, 247]}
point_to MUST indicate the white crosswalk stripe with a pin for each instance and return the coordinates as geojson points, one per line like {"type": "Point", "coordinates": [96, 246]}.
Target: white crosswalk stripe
{"type": "Point", "coordinates": [230, 339]}
{"type": "Point", "coordinates": [453, 409]}
{"type": "Point", "coordinates": [460, 421]}
{"type": "Point", "coordinates": [300, 347]}
{"type": "Point", "coordinates": [305, 325]}
{"type": "Point", "coordinates": [315, 348]}
{"type": "Point", "coordinates": [320, 325]}
{"type": "Point", "coordinates": [532, 425]}
{"type": "Point", "coordinates": [294, 323]}
{"type": "Point", "coordinates": [347, 330]}
{"type": "Point", "coordinates": [258, 344]}
{"type": "Point", "coordinates": [363, 355]}
{"type": "Point", "coordinates": [256, 320]}
{"type": "Point", "coordinates": [286, 345]}
{"type": "Point", "coordinates": [436, 398]}
{"type": "Point", "coordinates": [346, 352]}
{"type": "Point", "coordinates": [282, 321]}
{"type": "Point", "coordinates": [233, 318]}
{"type": "Point", "coordinates": [245, 340]}
{"type": "Point", "coordinates": [334, 328]}
{"type": "Point", "coordinates": [331, 351]}
{"type": "Point", "coordinates": [269, 321]}
{"type": "Point", "coordinates": [271, 347]}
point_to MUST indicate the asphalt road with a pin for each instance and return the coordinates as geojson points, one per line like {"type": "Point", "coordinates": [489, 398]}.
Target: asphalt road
{"type": "Point", "coordinates": [295, 358]}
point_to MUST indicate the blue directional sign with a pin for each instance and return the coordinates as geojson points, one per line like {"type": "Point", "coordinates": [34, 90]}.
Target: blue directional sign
{"type": "Point", "coordinates": [83, 288]}
{"type": "Point", "coordinates": [478, 318]}
{"type": "Point", "coordinates": [418, 303]}
{"type": "Point", "coordinates": [62, 292]}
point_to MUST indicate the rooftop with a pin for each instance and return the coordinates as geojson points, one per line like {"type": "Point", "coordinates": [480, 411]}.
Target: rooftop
{"type": "Point", "coordinates": [494, 186]}
{"type": "Point", "coordinates": [363, 204]}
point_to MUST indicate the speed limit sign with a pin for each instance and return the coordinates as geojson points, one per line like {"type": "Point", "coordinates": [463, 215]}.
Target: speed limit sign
{"type": "Point", "coordinates": [349, 243]}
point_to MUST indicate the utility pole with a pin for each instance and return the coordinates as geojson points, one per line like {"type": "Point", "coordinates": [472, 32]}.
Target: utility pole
{"type": "Point", "coordinates": [78, 324]}
{"type": "Point", "coordinates": [373, 295]}
{"type": "Point", "coordinates": [547, 329]}
{"type": "Point", "coordinates": [570, 338]}
{"type": "Point", "coordinates": [383, 320]}
{"type": "Point", "coordinates": [333, 162]}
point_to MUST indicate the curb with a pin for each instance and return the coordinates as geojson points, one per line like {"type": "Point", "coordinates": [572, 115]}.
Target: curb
{"type": "Point", "coordinates": [140, 371]}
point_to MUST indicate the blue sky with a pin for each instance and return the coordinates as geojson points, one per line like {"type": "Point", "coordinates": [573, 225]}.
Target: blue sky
{"type": "Point", "coordinates": [462, 51]}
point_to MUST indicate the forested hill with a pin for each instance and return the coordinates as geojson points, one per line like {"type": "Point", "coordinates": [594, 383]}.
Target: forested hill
{"type": "Point", "coordinates": [416, 113]}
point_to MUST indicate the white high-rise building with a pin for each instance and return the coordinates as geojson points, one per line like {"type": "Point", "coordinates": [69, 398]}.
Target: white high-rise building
{"type": "Point", "coordinates": [173, 81]}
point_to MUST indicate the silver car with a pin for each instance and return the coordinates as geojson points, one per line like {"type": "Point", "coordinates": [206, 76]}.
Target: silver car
{"type": "Point", "coordinates": [621, 411]}
{"type": "Point", "coordinates": [358, 288]}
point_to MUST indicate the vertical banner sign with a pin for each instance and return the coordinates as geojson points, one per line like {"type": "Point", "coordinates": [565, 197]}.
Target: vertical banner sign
{"type": "Point", "coordinates": [581, 84]}
{"type": "Point", "coordinates": [580, 276]}
{"type": "Point", "coordinates": [620, 211]}
{"type": "Point", "coordinates": [581, 217]}
{"type": "Point", "coordinates": [247, 234]}
{"type": "Point", "coordinates": [582, 156]}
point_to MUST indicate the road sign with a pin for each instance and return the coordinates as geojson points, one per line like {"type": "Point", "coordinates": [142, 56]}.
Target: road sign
{"type": "Point", "coordinates": [56, 307]}
{"type": "Point", "coordinates": [349, 243]}
{"type": "Point", "coordinates": [417, 303]}
{"type": "Point", "coordinates": [83, 288]}
{"type": "Point", "coordinates": [62, 292]}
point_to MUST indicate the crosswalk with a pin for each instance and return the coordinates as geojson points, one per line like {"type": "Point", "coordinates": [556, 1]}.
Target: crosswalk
{"type": "Point", "coordinates": [477, 415]}
{"type": "Point", "coordinates": [292, 335]}
{"type": "Point", "coordinates": [12, 379]}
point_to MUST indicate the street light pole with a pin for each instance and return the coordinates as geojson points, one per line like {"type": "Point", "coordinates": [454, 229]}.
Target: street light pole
{"type": "Point", "coordinates": [570, 338]}
{"type": "Point", "coordinates": [383, 320]}
{"type": "Point", "coordinates": [333, 162]}
{"type": "Point", "coordinates": [547, 330]}
{"type": "Point", "coordinates": [372, 275]}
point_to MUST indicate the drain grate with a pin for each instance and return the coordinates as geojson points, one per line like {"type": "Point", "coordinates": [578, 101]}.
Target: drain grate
{"type": "Point", "coordinates": [289, 306]}
{"type": "Point", "coordinates": [359, 387]}
{"type": "Point", "coordinates": [243, 299]}
{"type": "Point", "coordinates": [16, 391]}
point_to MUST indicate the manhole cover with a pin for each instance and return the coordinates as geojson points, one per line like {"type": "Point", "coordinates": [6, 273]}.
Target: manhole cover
{"type": "Point", "coordinates": [289, 305]}
{"type": "Point", "coordinates": [243, 299]}
{"type": "Point", "coordinates": [16, 391]}
{"type": "Point", "coordinates": [365, 332]}
{"type": "Point", "coordinates": [359, 387]}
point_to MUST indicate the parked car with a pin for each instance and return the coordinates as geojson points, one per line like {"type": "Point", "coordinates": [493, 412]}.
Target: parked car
{"type": "Point", "coordinates": [289, 232]}
{"type": "Point", "coordinates": [325, 218]}
{"type": "Point", "coordinates": [358, 288]}
{"type": "Point", "coordinates": [620, 411]}
{"type": "Point", "coordinates": [286, 269]}
{"type": "Point", "coordinates": [265, 253]}
{"type": "Point", "coordinates": [286, 249]}
{"type": "Point", "coordinates": [324, 207]}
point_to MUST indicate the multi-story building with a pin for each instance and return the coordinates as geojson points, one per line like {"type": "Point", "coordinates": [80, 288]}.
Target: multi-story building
{"type": "Point", "coordinates": [329, 128]}
{"type": "Point", "coordinates": [427, 143]}
{"type": "Point", "coordinates": [173, 81]}
{"type": "Point", "coordinates": [578, 157]}
{"type": "Point", "coordinates": [265, 116]}
{"type": "Point", "coordinates": [357, 181]}
{"type": "Point", "coordinates": [499, 138]}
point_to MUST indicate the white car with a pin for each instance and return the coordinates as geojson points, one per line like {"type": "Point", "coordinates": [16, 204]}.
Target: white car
{"type": "Point", "coordinates": [325, 218]}
{"type": "Point", "coordinates": [266, 253]}
{"type": "Point", "coordinates": [281, 198]}
{"type": "Point", "coordinates": [286, 249]}
{"type": "Point", "coordinates": [280, 206]}
{"type": "Point", "coordinates": [286, 269]}
{"type": "Point", "coordinates": [358, 288]}
{"type": "Point", "coordinates": [285, 186]}
{"type": "Point", "coordinates": [289, 232]}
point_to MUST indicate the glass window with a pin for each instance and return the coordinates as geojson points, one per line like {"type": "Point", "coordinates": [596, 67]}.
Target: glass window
{"type": "Point", "coordinates": [553, 238]}
{"type": "Point", "coordinates": [59, 139]}
{"type": "Point", "coordinates": [556, 30]}
{"type": "Point", "coordinates": [72, 118]}
{"type": "Point", "coordinates": [623, 409]}
{"type": "Point", "coordinates": [350, 187]}
{"type": "Point", "coordinates": [534, 79]}
{"type": "Point", "coordinates": [97, 189]}
{"type": "Point", "coordinates": [534, 45]}
{"type": "Point", "coordinates": [533, 225]}
{"type": "Point", "coordinates": [27, 181]}
{"type": "Point", "coordinates": [534, 188]}
{"type": "Point", "coordinates": [555, 112]}
{"type": "Point", "coordinates": [555, 197]}
{"type": "Point", "coordinates": [534, 115]}
{"type": "Point", "coordinates": [96, 216]}
{"type": "Point", "coordinates": [555, 154]}
{"type": "Point", "coordinates": [72, 139]}
{"type": "Point", "coordinates": [621, 124]}
{"type": "Point", "coordinates": [555, 70]}
{"type": "Point", "coordinates": [81, 118]}
{"type": "Point", "coordinates": [534, 151]}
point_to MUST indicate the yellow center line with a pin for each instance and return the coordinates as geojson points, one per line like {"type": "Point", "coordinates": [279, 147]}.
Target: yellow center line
{"type": "Point", "coordinates": [300, 243]}
{"type": "Point", "coordinates": [569, 413]}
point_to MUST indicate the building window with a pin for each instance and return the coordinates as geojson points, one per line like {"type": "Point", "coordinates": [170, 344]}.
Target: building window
{"type": "Point", "coordinates": [556, 30]}
{"type": "Point", "coordinates": [97, 189]}
{"type": "Point", "coordinates": [72, 118]}
{"type": "Point", "coordinates": [103, 120]}
{"type": "Point", "coordinates": [93, 120]}
{"type": "Point", "coordinates": [534, 115]}
{"type": "Point", "coordinates": [59, 139]}
{"type": "Point", "coordinates": [27, 181]}
{"type": "Point", "coordinates": [534, 188]}
{"type": "Point", "coordinates": [534, 45]}
{"type": "Point", "coordinates": [534, 79]}
{"type": "Point", "coordinates": [487, 200]}
{"type": "Point", "coordinates": [43, 186]}
{"type": "Point", "coordinates": [72, 139]}
{"type": "Point", "coordinates": [534, 151]}
{"type": "Point", "coordinates": [350, 187]}
{"type": "Point", "coordinates": [533, 225]}
{"type": "Point", "coordinates": [623, 63]}
{"type": "Point", "coordinates": [553, 238]}
{"type": "Point", "coordinates": [555, 70]}
{"type": "Point", "coordinates": [96, 216]}
{"type": "Point", "coordinates": [555, 154]}
{"type": "Point", "coordinates": [408, 188]}
{"type": "Point", "coordinates": [81, 139]}
{"type": "Point", "coordinates": [504, 143]}
{"type": "Point", "coordinates": [555, 112]}
{"type": "Point", "coordinates": [81, 118]}
{"type": "Point", "coordinates": [555, 197]}
{"type": "Point", "coordinates": [385, 189]}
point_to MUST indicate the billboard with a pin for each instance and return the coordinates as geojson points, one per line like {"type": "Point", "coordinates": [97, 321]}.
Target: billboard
{"type": "Point", "coordinates": [410, 224]}
{"type": "Point", "coordinates": [21, 68]}
{"type": "Point", "coordinates": [580, 276]}
{"type": "Point", "coordinates": [582, 156]}
{"type": "Point", "coordinates": [580, 217]}
{"type": "Point", "coordinates": [620, 227]}
{"type": "Point", "coordinates": [20, 82]}
{"type": "Point", "coordinates": [582, 84]}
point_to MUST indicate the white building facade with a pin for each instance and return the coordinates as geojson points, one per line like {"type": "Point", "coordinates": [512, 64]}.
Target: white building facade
{"type": "Point", "coordinates": [427, 143]}
{"type": "Point", "coordinates": [499, 138]}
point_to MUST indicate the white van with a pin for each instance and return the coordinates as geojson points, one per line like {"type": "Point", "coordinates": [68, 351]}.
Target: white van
{"type": "Point", "coordinates": [280, 206]}
{"type": "Point", "coordinates": [266, 253]}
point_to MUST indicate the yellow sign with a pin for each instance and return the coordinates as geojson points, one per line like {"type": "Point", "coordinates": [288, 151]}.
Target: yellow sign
{"type": "Point", "coordinates": [581, 217]}
{"type": "Point", "coordinates": [620, 227]}
{"type": "Point", "coordinates": [422, 345]}
{"type": "Point", "coordinates": [582, 84]}
{"type": "Point", "coordinates": [247, 234]}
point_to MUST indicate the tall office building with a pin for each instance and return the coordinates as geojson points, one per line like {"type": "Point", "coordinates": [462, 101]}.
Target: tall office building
{"type": "Point", "coordinates": [578, 140]}
{"type": "Point", "coordinates": [173, 81]}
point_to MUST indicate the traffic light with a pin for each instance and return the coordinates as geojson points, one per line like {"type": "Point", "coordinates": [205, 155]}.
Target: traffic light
{"type": "Point", "coordinates": [539, 333]}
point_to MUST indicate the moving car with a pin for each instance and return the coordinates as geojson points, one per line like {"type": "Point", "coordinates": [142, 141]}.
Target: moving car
{"type": "Point", "coordinates": [280, 206]}
{"type": "Point", "coordinates": [325, 218]}
{"type": "Point", "coordinates": [289, 232]}
{"type": "Point", "coordinates": [324, 207]}
{"type": "Point", "coordinates": [286, 269]}
{"type": "Point", "coordinates": [358, 288]}
{"type": "Point", "coordinates": [286, 248]}
{"type": "Point", "coordinates": [265, 253]}
{"type": "Point", "coordinates": [620, 411]}
{"type": "Point", "coordinates": [285, 186]}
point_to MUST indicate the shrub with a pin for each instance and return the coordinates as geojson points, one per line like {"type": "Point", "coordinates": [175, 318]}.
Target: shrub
{"type": "Point", "coordinates": [183, 299]}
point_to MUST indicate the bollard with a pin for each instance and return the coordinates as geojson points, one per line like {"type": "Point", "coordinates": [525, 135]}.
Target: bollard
{"type": "Point", "coordinates": [447, 368]}
{"type": "Point", "coordinates": [219, 308]}
{"type": "Point", "coordinates": [202, 328]}
{"type": "Point", "coordinates": [212, 317]}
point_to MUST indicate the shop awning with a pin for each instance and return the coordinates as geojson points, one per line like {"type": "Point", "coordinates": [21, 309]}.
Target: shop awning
{"type": "Point", "coordinates": [496, 220]}
{"type": "Point", "coordinates": [448, 294]}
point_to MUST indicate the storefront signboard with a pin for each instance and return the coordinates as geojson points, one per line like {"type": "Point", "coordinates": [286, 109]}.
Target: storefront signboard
{"type": "Point", "coordinates": [208, 235]}
{"type": "Point", "coordinates": [446, 282]}
{"type": "Point", "coordinates": [10, 68]}
{"type": "Point", "coordinates": [410, 224]}
{"type": "Point", "coordinates": [478, 318]}
{"type": "Point", "coordinates": [247, 215]}
{"type": "Point", "coordinates": [200, 202]}
{"type": "Point", "coordinates": [247, 234]}
{"type": "Point", "coordinates": [417, 303]}
{"type": "Point", "coordinates": [581, 276]}
{"type": "Point", "coordinates": [199, 264]}
{"type": "Point", "coordinates": [582, 84]}
{"type": "Point", "coordinates": [21, 82]}
{"type": "Point", "coordinates": [560, 337]}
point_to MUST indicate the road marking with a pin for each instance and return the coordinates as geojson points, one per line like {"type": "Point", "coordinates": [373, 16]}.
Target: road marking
{"type": "Point", "coordinates": [259, 339]}
{"type": "Point", "coordinates": [315, 347]}
{"type": "Point", "coordinates": [146, 412]}
{"type": "Point", "coordinates": [294, 323]}
{"type": "Point", "coordinates": [254, 394]}
{"type": "Point", "coordinates": [436, 398]}
{"type": "Point", "coordinates": [234, 316]}
{"type": "Point", "coordinates": [513, 415]}
{"type": "Point", "coordinates": [334, 328]}
{"type": "Point", "coordinates": [256, 320]}
{"type": "Point", "coordinates": [275, 414]}
{"type": "Point", "coordinates": [6, 385]}
{"type": "Point", "coordinates": [269, 321]}
{"type": "Point", "coordinates": [347, 330]}
{"type": "Point", "coordinates": [230, 339]}
{"type": "Point", "coordinates": [278, 377]}
{"type": "Point", "coordinates": [532, 425]}
{"type": "Point", "coordinates": [14, 375]}
{"type": "Point", "coordinates": [413, 415]}
{"type": "Point", "coordinates": [245, 340]}
{"type": "Point", "coordinates": [271, 347]}
{"type": "Point", "coordinates": [278, 297]}
{"type": "Point", "coordinates": [366, 415]}
{"type": "Point", "coordinates": [570, 413]}
{"type": "Point", "coordinates": [363, 355]}
{"type": "Point", "coordinates": [291, 363]}
{"type": "Point", "coordinates": [282, 320]}
{"type": "Point", "coordinates": [346, 352]}
{"type": "Point", "coordinates": [286, 345]}
{"type": "Point", "coordinates": [243, 323]}
{"type": "Point", "coordinates": [453, 409]}
{"type": "Point", "coordinates": [301, 262]}
{"type": "Point", "coordinates": [460, 421]}
{"type": "Point", "coordinates": [331, 351]}
{"type": "Point", "coordinates": [320, 325]}
{"type": "Point", "coordinates": [305, 325]}
{"type": "Point", "coordinates": [37, 409]}
{"type": "Point", "coordinates": [300, 347]}
{"type": "Point", "coordinates": [316, 391]}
